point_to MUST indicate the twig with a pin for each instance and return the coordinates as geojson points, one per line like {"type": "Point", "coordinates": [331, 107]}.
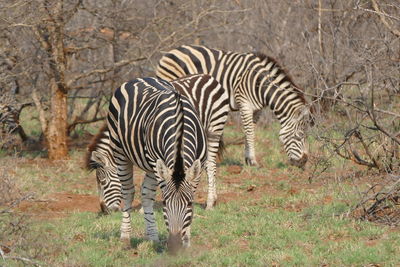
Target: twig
{"type": "Point", "coordinates": [102, 71]}
{"type": "Point", "coordinates": [382, 16]}
{"type": "Point", "coordinates": [378, 197]}
{"type": "Point", "coordinates": [76, 122]}
{"type": "Point", "coordinates": [16, 203]}
{"type": "Point", "coordinates": [22, 259]}
{"type": "Point", "coordinates": [377, 12]}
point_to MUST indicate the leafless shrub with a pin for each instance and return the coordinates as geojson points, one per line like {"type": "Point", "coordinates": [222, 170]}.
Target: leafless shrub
{"type": "Point", "coordinates": [380, 203]}
{"type": "Point", "coordinates": [358, 81]}
{"type": "Point", "coordinates": [17, 243]}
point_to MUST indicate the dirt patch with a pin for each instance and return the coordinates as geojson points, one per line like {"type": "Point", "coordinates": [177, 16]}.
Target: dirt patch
{"type": "Point", "coordinates": [60, 205]}
{"type": "Point", "coordinates": [234, 169]}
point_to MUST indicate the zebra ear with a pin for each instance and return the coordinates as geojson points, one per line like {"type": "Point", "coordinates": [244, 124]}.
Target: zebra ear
{"type": "Point", "coordinates": [162, 171]}
{"type": "Point", "coordinates": [193, 173]}
{"type": "Point", "coordinates": [303, 114]}
{"type": "Point", "coordinates": [308, 115]}
{"type": "Point", "coordinates": [97, 160]}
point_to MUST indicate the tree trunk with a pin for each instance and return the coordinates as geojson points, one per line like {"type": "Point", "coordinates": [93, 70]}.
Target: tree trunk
{"type": "Point", "coordinates": [57, 129]}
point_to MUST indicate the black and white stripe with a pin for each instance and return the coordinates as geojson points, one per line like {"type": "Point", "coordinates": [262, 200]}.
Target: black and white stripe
{"type": "Point", "coordinates": [252, 81]}
{"type": "Point", "coordinates": [211, 104]}
{"type": "Point", "coordinates": [157, 129]}
{"type": "Point", "coordinates": [9, 118]}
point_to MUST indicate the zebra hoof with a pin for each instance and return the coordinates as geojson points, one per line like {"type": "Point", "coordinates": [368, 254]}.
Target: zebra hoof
{"type": "Point", "coordinates": [154, 239]}
{"type": "Point", "coordinates": [126, 242]}
{"type": "Point", "coordinates": [251, 162]}
{"type": "Point", "coordinates": [211, 205]}
{"type": "Point", "coordinates": [141, 211]}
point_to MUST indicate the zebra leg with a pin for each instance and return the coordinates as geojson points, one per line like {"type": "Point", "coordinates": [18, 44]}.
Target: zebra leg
{"type": "Point", "coordinates": [125, 174]}
{"type": "Point", "coordinates": [149, 187]}
{"type": "Point", "coordinates": [257, 115]}
{"type": "Point", "coordinates": [246, 114]}
{"type": "Point", "coordinates": [211, 166]}
{"type": "Point", "coordinates": [186, 238]}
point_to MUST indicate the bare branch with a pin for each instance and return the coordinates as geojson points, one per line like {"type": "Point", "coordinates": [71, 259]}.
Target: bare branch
{"type": "Point", "coordinates": [78, 121]}
{"type": "Point", "coordinates": [102, 71]}
{"type": "Point", "coordinates": [383, 16]}
{"type": "Point", "coordinates": [25, 260]}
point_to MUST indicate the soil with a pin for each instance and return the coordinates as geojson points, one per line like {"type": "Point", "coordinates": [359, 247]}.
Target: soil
{"type": "Point", "coordinates": [60, 204]}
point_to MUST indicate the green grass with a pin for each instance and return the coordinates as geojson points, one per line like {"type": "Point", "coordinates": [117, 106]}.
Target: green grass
{"type": "Point", "coordinates": [283, 221]}
{"type": "Point", "coordinates": [239, 233]}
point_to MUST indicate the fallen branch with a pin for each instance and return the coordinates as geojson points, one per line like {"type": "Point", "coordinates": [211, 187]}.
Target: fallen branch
{"type": "Point", "coordinates": [16, 203]}
{"type": "Point", "coordinates": [385, 204]}
{"type": "Point", "coordinates": [26, 260]}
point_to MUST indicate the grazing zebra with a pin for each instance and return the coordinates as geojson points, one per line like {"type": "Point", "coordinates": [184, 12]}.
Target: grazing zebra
{"type": "Point", "coordinates": [211, 104]}
{"type": "Point", "coordinates": [253, 81]}
{"type": "Point", "coordinates": [156, 129]}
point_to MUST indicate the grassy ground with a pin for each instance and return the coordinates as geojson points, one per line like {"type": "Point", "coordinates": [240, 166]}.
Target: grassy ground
{"type": "Point", "coordinates": [271, 215]}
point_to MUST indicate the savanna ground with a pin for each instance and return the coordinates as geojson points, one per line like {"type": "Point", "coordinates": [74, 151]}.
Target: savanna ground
{"type": "Point", "coordinates": [271, 215]}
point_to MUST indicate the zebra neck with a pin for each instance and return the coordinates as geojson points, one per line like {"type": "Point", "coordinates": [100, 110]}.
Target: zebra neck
{"type": "Point", "coordinates": [289, 114]}
{"type": "Point", "coordinates": [283, 99]}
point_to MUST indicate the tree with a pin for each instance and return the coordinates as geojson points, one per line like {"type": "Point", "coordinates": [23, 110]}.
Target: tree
{"type": "Point", "coordinates": [67, 50]}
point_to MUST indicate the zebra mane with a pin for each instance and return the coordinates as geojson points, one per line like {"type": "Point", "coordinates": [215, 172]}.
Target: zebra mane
{"type": "Point", "coordinates": [93, 145]}
{"type": "Point", "coordinates": [178, 174]}
{"type": "Point", "coordinates": [287, 78]}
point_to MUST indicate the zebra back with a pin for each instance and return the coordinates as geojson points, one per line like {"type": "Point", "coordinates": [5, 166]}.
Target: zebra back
{"type": "Point", "coordinates": [260, 75]}
{"type": "Point", "coordinates": [208, 98]}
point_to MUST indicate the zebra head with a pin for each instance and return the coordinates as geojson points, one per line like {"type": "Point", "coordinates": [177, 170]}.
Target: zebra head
{"type": "Point", "coordinates": [178, 188]}
{"type": "Point", "coordinates": [293, 135]}
{"type": "Point", "coordinates": [108, 184]}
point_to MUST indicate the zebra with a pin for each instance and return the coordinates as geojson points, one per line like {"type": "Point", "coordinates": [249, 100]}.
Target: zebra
{"type": "Point", "coordinates": [9, 114]}
{"type": "Point", "coordinates": [212, 105]}
{"type": "Point", "coordinates": [8, 119]}
{"type": "Point", "coordinates": [252, 81]}
{"type": "Point", "coordinates": [155, 128]}
{"type": "Point", "coordinates": [10, 110]}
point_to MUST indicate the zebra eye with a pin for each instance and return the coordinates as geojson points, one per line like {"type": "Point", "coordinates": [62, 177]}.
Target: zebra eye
{"type": "Point", "coordinates": [300, 135]}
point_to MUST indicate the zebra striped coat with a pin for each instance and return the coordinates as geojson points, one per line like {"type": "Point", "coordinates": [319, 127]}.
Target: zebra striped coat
{"type": "Point", "coordinates": [9, 113]}
{"type": "Point", "coordinates": [252, 81]}
{"type": "Point", "coordinates": [211, 104]}
{"type": "Point", "coordinates": [156, 129]}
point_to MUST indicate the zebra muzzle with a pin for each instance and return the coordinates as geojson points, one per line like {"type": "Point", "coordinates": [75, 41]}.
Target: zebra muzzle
{"type": "Point", "coordinates": [300, 163]}
{"type": "Point", "coordinates": [174, 243]}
